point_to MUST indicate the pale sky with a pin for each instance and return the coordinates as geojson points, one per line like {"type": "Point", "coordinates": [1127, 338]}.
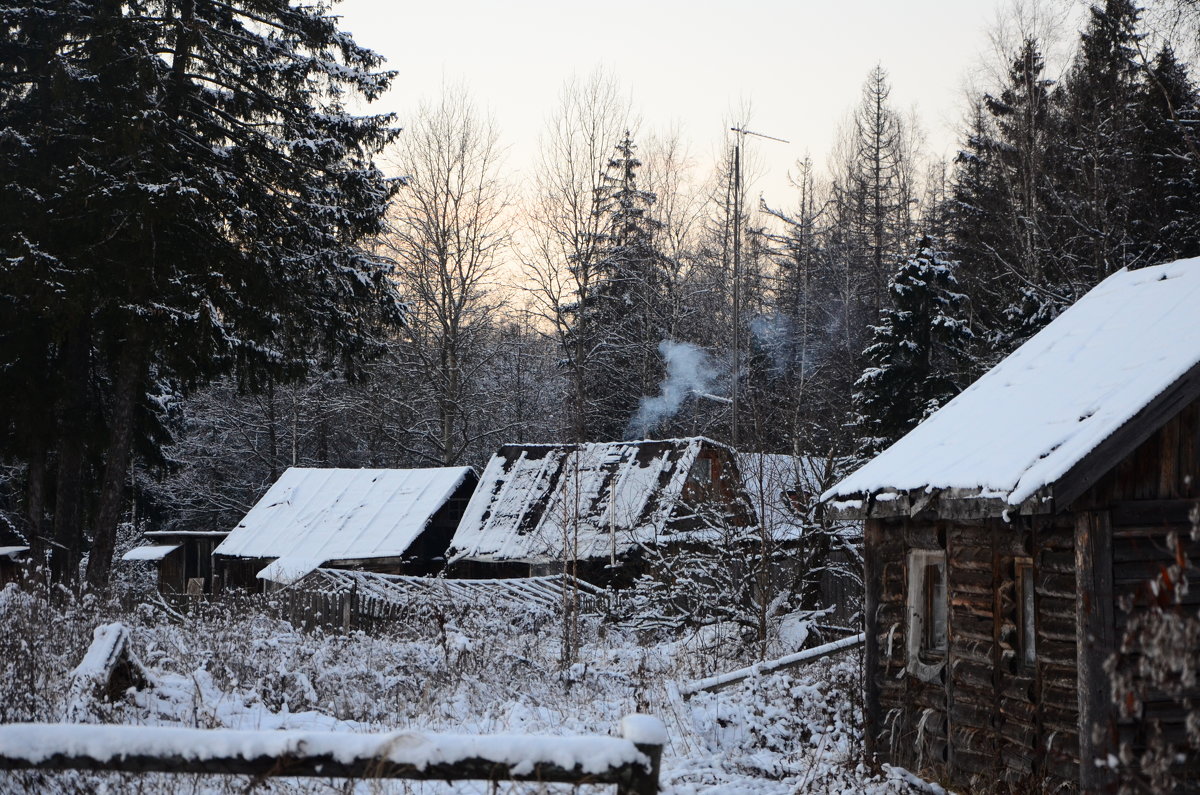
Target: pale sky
{"type": "Point", "coordinates": [687, 64]}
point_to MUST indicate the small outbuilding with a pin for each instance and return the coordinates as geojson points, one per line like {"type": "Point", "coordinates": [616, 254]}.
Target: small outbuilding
{"type": "Point", "coordinates": [596, 506]}
{"type": "Point", "coordinates": [391, 521]}
{"type": "Point", "coordinates": [12, 562]}
{"type": "Point", "coordinates": [1020, 542]}
{"type": "Point", "coordinates": [819, 555]}
{"type": "Point", "coordinates": [183, 559]}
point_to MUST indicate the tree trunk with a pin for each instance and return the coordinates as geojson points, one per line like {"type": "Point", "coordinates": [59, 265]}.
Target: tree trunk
{"type": "Point", "coordinates": [128, 386]}
{"type": "Point", "coordinates": [68, 506]}
{"type": "Point", "coordinates": [35, 498]}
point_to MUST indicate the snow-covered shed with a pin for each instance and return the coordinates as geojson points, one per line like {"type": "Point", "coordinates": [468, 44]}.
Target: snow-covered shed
{"type": "Point", "coordinates": [183, 559]}
{"type": "Point", "coordinates": [12, 560]}
{"type": "Point", "coordinates": [1015, 539]}
{"type": "Point", "coordinates": [596, 505]}
{"type": "Point", "coordinates": [393, 521]}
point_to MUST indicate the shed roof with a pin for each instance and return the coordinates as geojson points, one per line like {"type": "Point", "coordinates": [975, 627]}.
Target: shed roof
{"type": "Point", "coordinates": [532, 497]}
{"type": "Point", "coordinates": [774, 480]}
{"type": "Point", "coordinates": [13, 552]}
{"type": "Point", "coordinates": [1128, 344]}
{"type": "Point", "coordinates": [150, 552]}
{"type": "Point", "coordinates": [313, 516]}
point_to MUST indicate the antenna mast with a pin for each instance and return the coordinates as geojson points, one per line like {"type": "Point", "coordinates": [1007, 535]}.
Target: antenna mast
{"type": "Point", "coordinates": [742, 132]}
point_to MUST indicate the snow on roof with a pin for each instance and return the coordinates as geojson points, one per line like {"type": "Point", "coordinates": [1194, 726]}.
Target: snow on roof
{"type": "Point", "coordinates": [313, 516]}
{"type": "Point", "coordinates": [1035, 415]}
{"type": "Point", "coordinates": [532, 497]}
{"type": "Point", "coordinates": [773, 480]}
{"type": "Point", "coordinates": [13, 552]}
{"type": "Point", "coordinates": [150, 552]}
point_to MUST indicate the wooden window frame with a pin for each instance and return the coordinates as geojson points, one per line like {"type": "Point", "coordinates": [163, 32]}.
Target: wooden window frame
{"type": "Point", "coordinates": [1024, 579]}
{"type": "Point", "coordinates": [924, 662]}
{"type": "Point", "coordinates": [704, 472]}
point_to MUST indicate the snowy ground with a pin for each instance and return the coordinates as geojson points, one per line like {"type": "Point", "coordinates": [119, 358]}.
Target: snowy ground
{"type": "Point", "coordinates": [466, 671]}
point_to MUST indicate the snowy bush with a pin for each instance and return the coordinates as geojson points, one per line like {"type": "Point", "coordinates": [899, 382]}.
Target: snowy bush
{"type": "Point", "coordinates": [492, 669]}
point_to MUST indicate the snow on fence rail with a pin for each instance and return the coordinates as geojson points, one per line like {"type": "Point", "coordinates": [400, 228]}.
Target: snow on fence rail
{"type": "Point", "coordinates": [799, 658]}
{"type": "Point", "coordinates": [631, 761]}
{"type": "Point", "coordinates": [357, 598]}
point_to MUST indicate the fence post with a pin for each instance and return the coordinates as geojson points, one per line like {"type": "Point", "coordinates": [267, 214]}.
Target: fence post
{"type": "Point", "coordinates": [649, 736]}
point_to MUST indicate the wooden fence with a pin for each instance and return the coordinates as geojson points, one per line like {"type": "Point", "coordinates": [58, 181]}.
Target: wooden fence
{"type": "Point", "coordinates": [365, 600]}
{"type": "Point", "coordinates": [630, 762]}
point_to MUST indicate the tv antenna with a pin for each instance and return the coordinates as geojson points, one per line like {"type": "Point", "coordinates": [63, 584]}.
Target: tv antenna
{"type": "Point", "coordinates": [742, 132]}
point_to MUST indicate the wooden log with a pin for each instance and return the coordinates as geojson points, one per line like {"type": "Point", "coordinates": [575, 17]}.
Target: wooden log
{"type": "Point", "coordinates": [1095, 639]}
{"type": "Point", "coordinates": [635, 765]}
{"type": "Point", "coordinates": [721, 681]}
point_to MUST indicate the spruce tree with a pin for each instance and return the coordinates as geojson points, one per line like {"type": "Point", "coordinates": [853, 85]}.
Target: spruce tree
{"type": "Point", "coordinates": [623, 316]}
{"type": "Point", "coordinates": [918, 357]}
{"type": "Point", "coordinates": [178, 216]}
{"type": "Point", "coordinates": [1100, 135]}
{"type": "Point", "coordinates": [1166, 187]}
{"type": "Point", "coordinates": [1005, 216]}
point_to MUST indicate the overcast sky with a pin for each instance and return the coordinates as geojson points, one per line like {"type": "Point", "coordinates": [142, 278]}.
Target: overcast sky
{"type": "Point", "coordinates": [687, 63]}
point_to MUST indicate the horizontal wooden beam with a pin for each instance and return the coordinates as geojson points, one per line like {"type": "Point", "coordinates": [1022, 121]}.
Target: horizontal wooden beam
{"type": "Point", "coordinates": [722, 681]}
{"type": "Point", "coordinates": [631, 763]}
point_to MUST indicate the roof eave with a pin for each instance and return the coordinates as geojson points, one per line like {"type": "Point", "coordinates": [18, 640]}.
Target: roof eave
{"type": "Point", "coordinates": [932, 503]}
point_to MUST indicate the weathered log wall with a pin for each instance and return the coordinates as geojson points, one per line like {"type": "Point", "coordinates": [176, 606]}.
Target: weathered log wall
{"type": "Point", "coordinates": [1148, 499]}
{"type": "Point", "coordinates": [991, 721]}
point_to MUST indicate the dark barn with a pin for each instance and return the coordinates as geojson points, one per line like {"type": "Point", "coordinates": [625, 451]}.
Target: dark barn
{"type": "Point", "coordinates": [183, 560]}
{"type": "Point", "coordinates": [1019, 540]}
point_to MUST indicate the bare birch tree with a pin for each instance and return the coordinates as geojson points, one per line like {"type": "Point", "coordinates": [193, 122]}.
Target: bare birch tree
{"type": "Point", "coordinates": [446, 232]}
{"type": "Point", "coordinates": [564, 245]}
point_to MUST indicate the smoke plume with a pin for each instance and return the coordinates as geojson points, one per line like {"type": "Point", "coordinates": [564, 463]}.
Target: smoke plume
{"type": "Point", "coordinates": [688, 371]}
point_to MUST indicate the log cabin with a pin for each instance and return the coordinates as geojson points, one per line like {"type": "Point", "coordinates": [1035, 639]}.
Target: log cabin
{"type": "Point", "coordinates": [596, 506]}
{"type": "Point", "coordinates": [391, 521]}
{"type": "Point", "coordinates": [1016, 541]}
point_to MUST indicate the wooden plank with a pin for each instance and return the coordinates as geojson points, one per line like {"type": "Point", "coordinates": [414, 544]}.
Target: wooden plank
{"type": "Point", "coordinates": [1126, 439]}
{"type": "Point", "coordinates": [720, 682]}
{"type": "Point", "coordinates": [1152, 513]}
{"type": "Point", "coordinates": [1095, 637]}
{"type": "Point", "coordinates": [873, 714]}
{"type": "Point", "coordinates": [323, 754]}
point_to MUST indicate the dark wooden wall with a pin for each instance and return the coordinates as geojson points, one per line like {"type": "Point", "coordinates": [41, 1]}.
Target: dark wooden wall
{"type": "Point", "coordinates": [990, 722]}
{"type": "Point", "coordinates": [1144, 504]}
{"type": "Point", "coordinates": [995, 723]}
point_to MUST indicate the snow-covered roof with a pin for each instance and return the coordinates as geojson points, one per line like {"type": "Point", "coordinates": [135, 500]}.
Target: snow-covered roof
{"type": "Point", "coordinates": [150, 552]}
{"type": "Point", "coordinates": [1036, 415]}
{"type": "Point", "coordinates": [313, 516]}
{"type": "Point", "coordinates": [531, 498]}
{"type": "Point", "coordinates": [13, 552]}
{"type": "Point", "coordinates": [773, 481]}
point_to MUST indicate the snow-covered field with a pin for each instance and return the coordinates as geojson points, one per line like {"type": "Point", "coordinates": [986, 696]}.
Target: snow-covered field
{"type": "Point", "coordinates": [465, 671]}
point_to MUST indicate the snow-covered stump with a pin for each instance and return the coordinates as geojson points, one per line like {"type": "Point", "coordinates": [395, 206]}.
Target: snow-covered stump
{"type": "Point", "coordinates": [107, 670]}
{"type": "Point", "coordinates": [631, 762]}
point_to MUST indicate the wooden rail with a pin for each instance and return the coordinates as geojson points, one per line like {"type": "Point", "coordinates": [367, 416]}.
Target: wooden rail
{"type": "Point", "coordinates": [630, 762]}
{"type": "Point", "coordinates": [721, 681]}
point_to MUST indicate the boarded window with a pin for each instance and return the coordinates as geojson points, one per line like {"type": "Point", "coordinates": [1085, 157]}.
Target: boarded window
{"type": "Point", "coordinates": [1026, 613]}
{"type": "Point", "coordinates": [702, 472]}
{"type": "Point", "coordinates": [935, 608]}
{"type": "Point", "coordinates": [928, 613]}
